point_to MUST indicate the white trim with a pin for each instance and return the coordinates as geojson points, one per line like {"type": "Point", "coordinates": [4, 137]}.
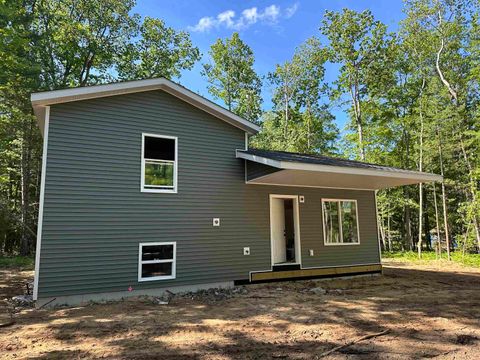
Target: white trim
{"type": "Point", "coordinates": [246, 171]}
{"type": "Point", "coordinates": [296, 226]}
{"type": "Point", "coordinates": [174, 190]}
{"type": "Point", "coordinates": [246, 141]}
{"type": "Point", "coordinates": [173, 261]}
{"type": "Point", "coordinates": [42, 99]}
{"type": "Point", "coordinates": [386, 172]}
{"type": "Point", "coordinates": [378, 228]}
{"type": "Point", "coordinates": [323, 200]}
{"type": "Point", "coordinates": [305, 186]}
{"type": "Point", "coordinates": [41, 203]}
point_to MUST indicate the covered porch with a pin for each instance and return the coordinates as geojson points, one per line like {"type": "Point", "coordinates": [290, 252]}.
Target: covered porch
{"type": "Point", "coordinates": [323, 216]}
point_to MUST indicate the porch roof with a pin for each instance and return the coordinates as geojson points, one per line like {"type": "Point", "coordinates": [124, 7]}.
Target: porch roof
{"type": "Point", "coordinates": [294, 169]}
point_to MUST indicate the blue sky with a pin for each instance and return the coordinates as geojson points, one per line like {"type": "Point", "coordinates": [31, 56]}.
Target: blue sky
{"type": "Point", "coordinates": [273, 29]}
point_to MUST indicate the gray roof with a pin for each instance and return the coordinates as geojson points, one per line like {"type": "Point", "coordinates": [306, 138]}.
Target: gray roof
{"type": "Point", "coordinates": [317, 160]}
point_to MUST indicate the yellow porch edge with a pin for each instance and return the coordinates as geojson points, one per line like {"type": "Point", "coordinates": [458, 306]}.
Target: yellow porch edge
{"type": "Point", "coordinates": [341, 270]}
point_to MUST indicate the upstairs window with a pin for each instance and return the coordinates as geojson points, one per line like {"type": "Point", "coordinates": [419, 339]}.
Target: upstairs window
{"type": "Point", "coordinates": [159, 163]}
{"type": "Point", "coordinates": [340, 222]}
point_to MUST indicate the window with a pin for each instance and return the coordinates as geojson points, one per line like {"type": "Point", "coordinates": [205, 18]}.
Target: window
{"type": "Point", "coordinates": [340, 222]}
{"type": "Point", "coordinates": [156, 261]}
{"type": "Point", "coordinates": [159, 163]}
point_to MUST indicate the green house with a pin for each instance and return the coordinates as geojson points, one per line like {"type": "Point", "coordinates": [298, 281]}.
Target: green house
{"type": "Point", "coordinates": [147, 186]}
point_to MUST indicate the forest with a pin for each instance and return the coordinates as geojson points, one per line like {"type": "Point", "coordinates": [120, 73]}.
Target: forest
{"type": "Point", "coordinates": [412, 98]}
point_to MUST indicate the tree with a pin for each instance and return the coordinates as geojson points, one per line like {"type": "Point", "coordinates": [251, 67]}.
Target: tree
{"type": "Point", "coordinates": [301, 120]}
{"type": "Point", "coordinates": [19, 144]}
{"type": "Point", "coordinates": [159, 51]}
{"type": "Point", "coordinates": [451, 29]}
{"type": "Point", "coordinates": [232, 78]}
{"type": "Point", "coordinates": [360, 44]}
{"type": "Point", "coordinates": [52, 44]}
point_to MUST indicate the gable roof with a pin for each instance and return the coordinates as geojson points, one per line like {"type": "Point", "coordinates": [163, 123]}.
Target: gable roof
{"type": "Point", "coordinates": [43, 99]}
{"type": "Point", "coordinates": [298, 169]}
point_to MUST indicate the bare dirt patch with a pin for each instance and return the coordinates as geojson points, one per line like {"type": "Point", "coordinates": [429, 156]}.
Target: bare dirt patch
{"type": "Point", "coordinates": [431, 311]}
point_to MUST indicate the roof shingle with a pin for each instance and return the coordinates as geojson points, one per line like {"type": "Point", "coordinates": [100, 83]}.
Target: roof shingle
{"type": "Point", "coordinates": [315, 159]}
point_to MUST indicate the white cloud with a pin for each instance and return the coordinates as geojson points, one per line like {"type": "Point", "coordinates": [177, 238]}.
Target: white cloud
{"type": "Point", "coordinates": [290, 11]}
{"type": "Point", "coordinates": [204, 24]}
{"type": "Point", "coordinates": [270, 15]}
{"type": "Point", "coordinates": [250, 15]}
{"type": "Point", "coordinates": [226, 18]}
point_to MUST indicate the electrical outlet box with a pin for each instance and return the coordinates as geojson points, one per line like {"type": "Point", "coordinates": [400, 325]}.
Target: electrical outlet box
{"type": "Point", "coordinates": [301, 198]}
{"type": "Point", "coordinates": [216, 221]}
{"type": "Point", "coordinates": [246, 251]}
{"type": "Point", "coordinates": [311, 252]}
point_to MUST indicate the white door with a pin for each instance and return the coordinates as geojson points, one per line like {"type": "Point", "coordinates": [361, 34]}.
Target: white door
{"type": "Point", "coordinates": [277, 214]}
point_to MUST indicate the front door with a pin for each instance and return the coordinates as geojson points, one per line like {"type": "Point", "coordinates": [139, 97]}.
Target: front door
{"type": "Point", "coordinates": [284, 237]}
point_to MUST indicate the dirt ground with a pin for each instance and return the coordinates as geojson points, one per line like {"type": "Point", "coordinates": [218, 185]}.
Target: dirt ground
{"type": "Point", "coordinates": [431, 311]}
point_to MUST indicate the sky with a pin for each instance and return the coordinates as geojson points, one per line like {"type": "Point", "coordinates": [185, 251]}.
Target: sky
{"type": "Point", "coordinates": [273, 29]}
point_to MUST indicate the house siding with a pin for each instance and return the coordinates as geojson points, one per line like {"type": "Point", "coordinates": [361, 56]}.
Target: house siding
{"type": "Point", "coordinates": [95, 215]}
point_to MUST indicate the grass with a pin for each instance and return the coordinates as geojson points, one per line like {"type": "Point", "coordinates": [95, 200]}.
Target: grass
{"type": "Point", "coordinates": [21, 262]}
{"type": "Point", "coordinates": [412, 256]}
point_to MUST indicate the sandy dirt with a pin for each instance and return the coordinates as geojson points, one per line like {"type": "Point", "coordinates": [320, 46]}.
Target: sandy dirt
{"type": "Point", "coordinates": [431, 311]}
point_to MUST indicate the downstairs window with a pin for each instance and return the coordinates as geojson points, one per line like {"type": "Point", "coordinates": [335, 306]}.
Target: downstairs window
{"type": "Point", "coordinates": [340, 222]}
{"type": "Point", "coordinates": [157, 261]}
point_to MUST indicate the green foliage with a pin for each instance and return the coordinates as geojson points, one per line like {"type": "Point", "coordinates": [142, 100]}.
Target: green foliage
{"type": "Point", "coordinates": [300, 121]}
{"type": "Point", "coordinates": [22, 262]}
{"type": "Point", "coordinates": [159, 51]}
{"type": "Point", "coordinates": [362, 47]}
{"type": "Point", "coordinates": [52, 44]}
{"type": "Point", "coordinates": [81, 42]}
{"type": "Point", "coordinates": [412, 256]}
{"type": "Point", "coordinates": [231, 77]}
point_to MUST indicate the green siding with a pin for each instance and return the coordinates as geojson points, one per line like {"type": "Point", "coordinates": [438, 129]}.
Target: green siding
{"type": "Point", "coordinates": [95, 214]}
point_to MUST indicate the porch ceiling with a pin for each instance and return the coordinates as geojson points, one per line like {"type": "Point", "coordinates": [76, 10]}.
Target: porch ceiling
{"type": "Point", "coordinates": [332, 180]}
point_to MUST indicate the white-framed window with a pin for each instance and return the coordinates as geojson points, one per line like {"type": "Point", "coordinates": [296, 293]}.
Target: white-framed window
{"type": "Point", "coordinates": [340, 222]}
{"type": "Point", "coordinates": [159, 163]}
{"type": "Point", "coordinates": [157, 261]}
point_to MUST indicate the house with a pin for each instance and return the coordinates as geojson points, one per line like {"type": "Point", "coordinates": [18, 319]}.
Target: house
{"type": "Point", "coordinates": [147, 186]}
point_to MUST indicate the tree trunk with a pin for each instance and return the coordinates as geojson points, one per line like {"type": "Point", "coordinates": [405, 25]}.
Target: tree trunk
{"type": "Point", "coordinates": [444, 196]}
{"type": "Point", "coordinates": [308, 129]}
{"type": "Point", "coordinates": [381, 229]}
{"type": "Point", "coordinates": [360, 139]}
{"type": "Point", "coordinates": [406, 213]}
{"type": "Point", "coordinates": [420, 191]}
{"type": "Point", "coordinates": [25, 187]}
{"type": "Point", "coordinates": [426, 221]}
{"type": "Point", "coordinates": [287, 100]}
{"type": "Point", "coordinates": [389, 233]}
{"type": "Point", "coordinates": [437, 221]}
{"type": "Point", "coordinates": [408, 226]}
{"type": "Point", "coordinates": [358, 118]}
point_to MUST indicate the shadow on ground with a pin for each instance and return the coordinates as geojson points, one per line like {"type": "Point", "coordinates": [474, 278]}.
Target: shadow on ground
{"type": "Point", "coordinates": [428, 313]}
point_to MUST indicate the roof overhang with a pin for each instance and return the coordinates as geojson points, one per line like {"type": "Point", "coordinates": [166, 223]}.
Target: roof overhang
{"type": "Point", "coordinates": [340, 177]}
{"type": "Point", "coordinates": [43, 99]}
